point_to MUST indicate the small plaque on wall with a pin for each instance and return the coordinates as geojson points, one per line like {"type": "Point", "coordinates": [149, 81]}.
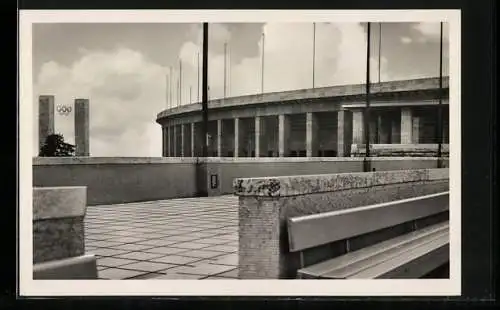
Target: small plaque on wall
{"type": "Point", "coordinates": [214, 181]}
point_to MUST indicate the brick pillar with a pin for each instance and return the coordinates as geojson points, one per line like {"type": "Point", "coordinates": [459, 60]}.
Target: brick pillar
{"type": "Point", "coordinates": [257, 136]}
{"type": "Point", "coordinates": [236, 137]}
{"type": "Point", "coordinates": [357, 127]}
{"type": "Point", "coordinates": [45, 118]}
{"type": "Point", "coordinates": [311, 135]}
{"type": "Point", "coordinates": [406, 126]}
{"type": "Point", "coordinates": [344, 133]}
{"type": "Point", "coordinates": [284, 134]}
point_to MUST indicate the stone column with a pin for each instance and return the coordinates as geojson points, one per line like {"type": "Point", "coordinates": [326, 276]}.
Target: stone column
{"type": "Point", "coordinates": [163, 141]}
{"type": "Point", "coordinates": [284, 134]}
{"type": "Point", "coordinates": [45, 118]}
{"type": "Point", "coordinates": [167, 129]}
{"type": "Point", "coordinates": [192, 140]}
{"type": "Point", "coordinates": [357, 127]}
{"type": "Point", "coordinates": [311, 135]}
{"type": "Point", "coordinates": [175, 140]}
{"type": "Point", "coordinates": [344, 133]}
{"type": "Point", "coordinates": [395, 132]}
{"type": "Point", "coordinates": [406, 126]}
{"type": "Point", "coordinates": [257, 136]}
{"type": "Point", "coordinates": [415, 130]}
{"type": "Point", "coordinates": [81, 127]}
{"type": "Point", "coordinates": [236, 137]}
{"type": "Point", "coordinates": [219, 138]}
{"type": "Point", "coordinates": [182, 140]}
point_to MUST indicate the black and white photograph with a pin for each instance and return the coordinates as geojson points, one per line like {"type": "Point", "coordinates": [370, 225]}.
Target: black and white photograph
{"type": "Point", "coordinates": [169, 145]}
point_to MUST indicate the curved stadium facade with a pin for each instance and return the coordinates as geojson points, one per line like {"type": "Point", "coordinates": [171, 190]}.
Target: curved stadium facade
{"type": "Point", "coordinates": [319, 122]}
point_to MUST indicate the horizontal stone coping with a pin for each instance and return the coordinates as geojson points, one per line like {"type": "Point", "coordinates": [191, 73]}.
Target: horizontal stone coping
{"type": "Point", "coordinates": [284, 186]}
{"type": "Point", "coordinates": [401, 147]}
{"type": "Point", "coordinates": [48, 161]}
{"type": "Point", "coordinates": [59, 202]}
{"type": "Point", "coordinates": [38, 161]}
{"type": "Point", "coordinates": [321, 92]}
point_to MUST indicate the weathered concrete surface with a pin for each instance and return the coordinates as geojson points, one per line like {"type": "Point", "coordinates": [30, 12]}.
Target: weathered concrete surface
{"type": "Point", "coordinates": [59, 236]}
{"type": "Point", "coordinates": [58, 223]}
{"type": "Point", "coordinates": [266, 203]}
{"type": "Point", "coordinates": [119, 180]}
{"type": "Point", "coordinates": [400, 150]}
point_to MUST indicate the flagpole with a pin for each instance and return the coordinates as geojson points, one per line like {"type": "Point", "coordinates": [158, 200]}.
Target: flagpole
{"type": "Point", "coordinates": [225, 67]}
{"type": "Point", "coordinates": [314, 53]}
{"type": "Point", "coordinates": [170, 86]}
{"type": "Point", "coordinates": [180, 82]}
{"type": "Point", "coordinates": [198, 69]}
{"type": "Point", "coordinates": [440, 107]}
{"type": "Point", "coordinates": [178, 93]}
{"type": "Point", "coordinates": [367, 109]}
{"type": "Point", "coordinates": [379, 49]}
{"type": "Point", "coordinates": [262, 69]}
{"type": "Point", "coordinates": [167, 78]}
{"type": "Point", "coordinates": [205, 90]}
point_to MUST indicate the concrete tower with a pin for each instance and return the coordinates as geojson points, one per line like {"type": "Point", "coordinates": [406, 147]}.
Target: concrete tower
{"type": "Point", "coordinates": [45, 118]}
{"type": "Point", "coordinates": [82, 127]}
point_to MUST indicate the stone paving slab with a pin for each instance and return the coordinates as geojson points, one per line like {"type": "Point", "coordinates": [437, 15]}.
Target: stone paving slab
{"type": "Point", "coordinates": [190, 238]}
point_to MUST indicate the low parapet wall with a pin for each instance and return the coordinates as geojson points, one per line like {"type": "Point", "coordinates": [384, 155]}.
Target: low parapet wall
{"type": "Point", "coordinates": [266, 203]}
{"type": "Point", "coordinates": [59, 236]}
{"type": "Point", "coordinates": [120, 180]}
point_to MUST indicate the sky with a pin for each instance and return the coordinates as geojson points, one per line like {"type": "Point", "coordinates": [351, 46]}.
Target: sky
{"type": "Point", "coordinates": [123, 68]}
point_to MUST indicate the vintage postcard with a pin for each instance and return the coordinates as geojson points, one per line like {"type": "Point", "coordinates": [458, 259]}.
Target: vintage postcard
{"type": "Point", "coordinates": [161, 150]}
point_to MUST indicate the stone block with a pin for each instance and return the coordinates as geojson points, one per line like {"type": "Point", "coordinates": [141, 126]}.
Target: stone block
{"type": "Point", "coordinates": [265, 204]}
{"type": "Point", "coordinates": [59, 236]}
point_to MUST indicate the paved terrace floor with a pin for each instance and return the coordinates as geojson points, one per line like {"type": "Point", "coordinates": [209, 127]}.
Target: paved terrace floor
{"type": "Point", "coordinates": [192, 238]}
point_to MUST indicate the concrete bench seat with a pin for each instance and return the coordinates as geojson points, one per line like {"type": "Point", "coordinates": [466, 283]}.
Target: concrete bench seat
{"type": "Point", "coordinates": [82, 267]}
{"type": "Point", "coordinates": [410, 255]}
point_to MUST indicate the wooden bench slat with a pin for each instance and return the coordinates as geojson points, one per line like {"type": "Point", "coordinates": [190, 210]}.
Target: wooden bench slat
{"type": "Point", "coordinates": [345, 264]}
{"type": "Point", "coordinates": [318, 229]}
{"type": "Point", "coordinates": [411, 264]}
{"type": "Point", "coordinates": [380, 259]}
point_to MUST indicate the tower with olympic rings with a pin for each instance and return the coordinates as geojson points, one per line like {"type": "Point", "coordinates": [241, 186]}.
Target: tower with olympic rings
{"type": "Point", "coordinates": [46, 121]}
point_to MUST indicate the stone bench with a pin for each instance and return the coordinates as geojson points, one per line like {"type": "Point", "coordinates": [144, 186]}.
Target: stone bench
{"type": "Point", "coordinates": [267, 204]}
{"type": "Point", "coordinates": [59, 236]}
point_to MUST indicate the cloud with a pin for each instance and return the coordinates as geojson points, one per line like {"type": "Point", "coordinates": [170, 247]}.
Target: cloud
{"type": "Point", "coordinates": [125, 91]}
{"type": "Point", "coordinates": [406, 40]}
{"type": "Point", "coordinates": [288, 59]}
{"type": "Point", "coordinates": [431, 31]}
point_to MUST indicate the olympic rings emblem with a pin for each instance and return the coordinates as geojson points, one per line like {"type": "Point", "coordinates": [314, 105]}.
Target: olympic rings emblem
{"type": "Point", "coordinates": [63, 110]}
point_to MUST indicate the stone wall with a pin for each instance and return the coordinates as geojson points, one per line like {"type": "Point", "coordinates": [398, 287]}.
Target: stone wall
{"type": "Point", "coordinates": [266, 203]}
{"type": "Point", "coordinates": [121, 180]}
{"type": "Point", "coordinates": [225, 170]}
